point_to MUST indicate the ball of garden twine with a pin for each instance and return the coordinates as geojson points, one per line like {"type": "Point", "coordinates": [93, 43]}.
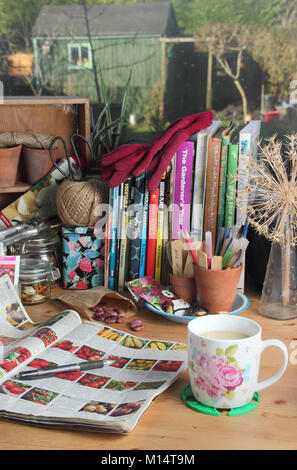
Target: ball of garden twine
{"type": "Point", "coordinates": [78, 201]}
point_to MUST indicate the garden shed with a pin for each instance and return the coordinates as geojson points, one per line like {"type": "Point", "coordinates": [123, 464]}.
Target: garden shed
{"type": "Point", "coordinates": [123, 38]}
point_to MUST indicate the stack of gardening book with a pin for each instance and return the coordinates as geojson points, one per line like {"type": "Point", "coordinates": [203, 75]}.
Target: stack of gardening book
{"type": "Point", "coordinates": [198, 193]}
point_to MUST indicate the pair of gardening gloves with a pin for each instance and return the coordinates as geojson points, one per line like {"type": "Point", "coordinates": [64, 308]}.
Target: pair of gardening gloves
{"type": "Point", "coordinates": [136, 159]}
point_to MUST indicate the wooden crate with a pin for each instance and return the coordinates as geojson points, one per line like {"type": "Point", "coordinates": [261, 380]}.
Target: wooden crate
{"type": "Point", "coordinates": [57, 115]}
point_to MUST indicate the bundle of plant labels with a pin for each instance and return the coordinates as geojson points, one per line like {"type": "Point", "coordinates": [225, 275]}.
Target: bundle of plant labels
{"type": "Point", "coordinates": [181, 257]}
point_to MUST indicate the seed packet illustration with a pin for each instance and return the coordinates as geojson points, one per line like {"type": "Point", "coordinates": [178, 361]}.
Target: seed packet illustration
{"type": "Point", "coordinates": [160, 297]}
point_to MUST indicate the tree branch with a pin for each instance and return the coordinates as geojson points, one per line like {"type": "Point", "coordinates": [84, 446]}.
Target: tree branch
{"type": "Point", "coordinates": [92, 51]}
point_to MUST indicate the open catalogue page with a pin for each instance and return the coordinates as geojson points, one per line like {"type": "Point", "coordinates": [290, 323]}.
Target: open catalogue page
{"type": "Point", "coordinates": [111, 399]}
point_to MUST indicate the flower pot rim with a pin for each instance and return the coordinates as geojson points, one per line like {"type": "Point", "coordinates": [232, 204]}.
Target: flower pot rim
{"type": "Point", "coordinates": [38, 148]}
{"type": "Point", "coordinates": [12, 147]}
{"type": "Point", "coordinates": [199, 268]}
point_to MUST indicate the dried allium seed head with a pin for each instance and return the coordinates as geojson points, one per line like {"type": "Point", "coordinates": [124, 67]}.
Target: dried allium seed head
{"type": "Point", "coordinates": [271, 190]}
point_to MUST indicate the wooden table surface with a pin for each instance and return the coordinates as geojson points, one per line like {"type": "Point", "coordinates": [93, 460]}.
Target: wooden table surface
{"type": "Point", "coordinates": [169, 423]}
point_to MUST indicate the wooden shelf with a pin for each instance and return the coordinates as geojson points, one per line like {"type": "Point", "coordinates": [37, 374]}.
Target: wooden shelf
{"type": "Point", "coordinates": [54, 115]}
{"type": "Point", "coordinates": [44, 100]}
{"type": "Point", "coordinates": [17, 188]}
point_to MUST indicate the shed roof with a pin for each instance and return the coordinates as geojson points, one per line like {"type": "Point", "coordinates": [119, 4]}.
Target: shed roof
{"type": "Point", "coordinates": [155, 18]}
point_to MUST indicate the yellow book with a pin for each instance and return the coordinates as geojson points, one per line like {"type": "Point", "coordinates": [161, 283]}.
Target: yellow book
{"type": "Point", "coordinates": [160, 229]}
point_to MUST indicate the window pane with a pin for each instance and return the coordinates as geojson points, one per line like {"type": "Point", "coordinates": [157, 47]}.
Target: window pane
{"type": "Point", "coordinates": [85, 56]}
{"type": "Point", "coordinates": [74, 55]}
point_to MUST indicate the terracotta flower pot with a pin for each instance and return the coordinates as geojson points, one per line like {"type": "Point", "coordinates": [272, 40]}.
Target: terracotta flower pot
{"type": "Point", "coordinates": [37, 163]}
{"type": "Point", "coordinates": [9, 160]}
{"type": "Point", "coordinates": [217, 288]}
{"type": "Point", "coordinates": [184, 288]}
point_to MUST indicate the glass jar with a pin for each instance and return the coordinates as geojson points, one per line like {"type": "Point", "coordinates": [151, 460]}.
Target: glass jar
{"type": "Point", "coordinates": [279, 293]}
{"type": "Point", "coordinates": [45, 246]}
{"type": "Point", "coordinates": [35, 281]}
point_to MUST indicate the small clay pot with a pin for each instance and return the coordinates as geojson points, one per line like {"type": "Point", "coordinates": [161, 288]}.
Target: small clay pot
{"type": "Point", "coordinates": [217, 288]}
{"type": "Point", "coordinates": [9, 160]}
{"type": "Point", "coordinates": [37, 163]}
{"type": "Point", "coordinates": [184, 288]}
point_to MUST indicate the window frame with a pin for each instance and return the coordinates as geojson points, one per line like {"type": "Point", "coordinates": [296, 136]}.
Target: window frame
{"type": "Point", "coordinates": [79, 46]}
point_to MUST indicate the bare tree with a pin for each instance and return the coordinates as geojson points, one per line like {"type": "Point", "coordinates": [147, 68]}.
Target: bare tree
{"type": "Point", "coordinates": [226, 43]}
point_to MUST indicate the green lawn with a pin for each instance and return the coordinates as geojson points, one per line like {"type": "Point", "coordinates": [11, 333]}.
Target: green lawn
{"type": "Point", "coordinates": [268, 129]}
{"type": "Point", "coordinates": [139, 134]}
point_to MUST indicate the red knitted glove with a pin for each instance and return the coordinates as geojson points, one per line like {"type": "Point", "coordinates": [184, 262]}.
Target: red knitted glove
{"type": "Point", "coordinates": [189, 125]}
{"type": "Point", "coordinates": [123, 151]}
{"type": "Point", "coordinates": [120, 171]}
{"type": "Point", "coordinates": [163, 158]}
{"type": "Point", "coordinates": [132, 160]}
{"type": "Point", "coordinates": [136, 159]}
{"type": "Point", "coordinates": [119, 177]}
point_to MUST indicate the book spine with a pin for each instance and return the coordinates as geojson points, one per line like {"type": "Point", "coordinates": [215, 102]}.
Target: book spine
{"type": "Point", "coordinates": [120, 210]}
{"type": "Point", "coordinates": [130, 227]}
{"type": "Point", "coordinates": [170, 200]}
{"type": "Point", "coordinates": [212, 187]}
{"type": "Point", "coordinates": [231, 185]}
{"type": "Point", "coordinates": [181, 211]}
{"type": "Point", "coordinates": [160, 227]}
{"type": "Point", "coordinates": [152, 232]}
{"type": "Point", "coordinates": [164, 279]}
{"type": "Point", "coordinates": [124, 229]}
{"type": "Point", "coordinates": [222, 186]}
{"type": "Point", "coordinates": [107, 241]}
{"type": "Point", "coordinates": [144, 231]}
{"type": "Point", "coordinates": [137, 220]}
{"type": "Point", "coordinates": [198, 188]}
{"type": "Point", "coordinates": [247, 149]}
{"type": "Point", "coordinates": [113, 243]}
{"type": "Point", "coordinates": [243, 160]}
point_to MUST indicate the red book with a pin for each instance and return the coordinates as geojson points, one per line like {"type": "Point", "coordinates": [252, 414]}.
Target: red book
{"type": "Point", "coordinates": [152, 233]}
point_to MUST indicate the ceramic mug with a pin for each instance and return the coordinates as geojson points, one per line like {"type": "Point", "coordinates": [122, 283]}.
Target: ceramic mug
{"type": "Point", "coordinates": [224, 358]}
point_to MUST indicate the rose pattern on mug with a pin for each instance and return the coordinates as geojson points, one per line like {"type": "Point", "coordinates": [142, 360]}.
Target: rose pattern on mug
{"type": "Point", "coordinates": [218, 375]}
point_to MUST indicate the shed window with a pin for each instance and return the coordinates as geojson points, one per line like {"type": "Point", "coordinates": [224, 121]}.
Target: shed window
{"type": "Point", "coordinates": [79, 56]}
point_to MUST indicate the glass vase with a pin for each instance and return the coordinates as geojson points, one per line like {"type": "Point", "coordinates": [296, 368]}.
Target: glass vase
{"type": "Point", "coordinates": [279, 293]}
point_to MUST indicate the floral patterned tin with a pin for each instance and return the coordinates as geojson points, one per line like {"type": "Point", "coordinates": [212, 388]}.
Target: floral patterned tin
{"type": "Point", "coordinates": [83, 258]}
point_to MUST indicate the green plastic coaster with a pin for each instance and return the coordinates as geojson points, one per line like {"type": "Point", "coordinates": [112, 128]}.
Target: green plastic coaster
{"type": "Point", "coordinates": [190, 400]}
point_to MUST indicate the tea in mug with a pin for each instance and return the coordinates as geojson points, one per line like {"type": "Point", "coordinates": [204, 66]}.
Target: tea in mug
{"type": "Point", "coordinates": [224, 334]}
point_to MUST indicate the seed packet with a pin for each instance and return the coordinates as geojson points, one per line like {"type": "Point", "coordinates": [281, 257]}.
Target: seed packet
{"type": "Point", "coordinates": [10, 265]}
{"type": "Point", "coordinates": [160, 297]}
{"type": "Point", "coordinates": [39, 201]}
{"type": "Point", "coordinates": [11, 307]}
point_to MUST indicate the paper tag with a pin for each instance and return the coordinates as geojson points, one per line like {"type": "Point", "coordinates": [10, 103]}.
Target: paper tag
{"type": "Point", "coordinates": [189, 270]}
{"type": "Point", "coordinates": [202, 259]}
{"type": "Point", "coordinates": [177, 257]}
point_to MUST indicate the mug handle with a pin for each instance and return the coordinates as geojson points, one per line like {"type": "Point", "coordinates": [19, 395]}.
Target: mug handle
{"type": "Point", "coordinates": [279, 344]}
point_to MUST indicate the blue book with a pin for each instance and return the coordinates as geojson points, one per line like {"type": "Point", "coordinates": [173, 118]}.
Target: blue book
{"type": "Point", "coordinates": [144, 229]}
{"type": "Point", "coordinates": [113, 245]}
